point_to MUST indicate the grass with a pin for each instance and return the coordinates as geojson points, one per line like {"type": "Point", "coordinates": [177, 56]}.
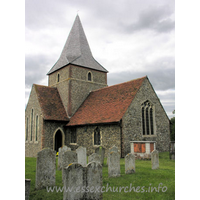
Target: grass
{"type": "Point", "coordinates": [145, 180]}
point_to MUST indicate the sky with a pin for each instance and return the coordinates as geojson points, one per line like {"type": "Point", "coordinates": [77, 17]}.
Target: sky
{"type": "Point", "coordinates": [131, 39]}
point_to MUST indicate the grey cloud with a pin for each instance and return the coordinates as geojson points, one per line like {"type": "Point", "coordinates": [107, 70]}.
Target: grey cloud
{"type": "Point", "coordinates": [36, 68]}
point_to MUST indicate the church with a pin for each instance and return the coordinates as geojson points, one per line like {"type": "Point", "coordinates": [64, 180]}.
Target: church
{"type": "Point", "coordinates": [78, 108]}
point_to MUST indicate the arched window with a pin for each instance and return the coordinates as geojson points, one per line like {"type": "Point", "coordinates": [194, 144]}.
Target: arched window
{"type": "Point", "coordinates": [27, 129]}
{"type": "Point", "coordinates": [147, 118]}
{"type": "Point", "coordinates": [89, 76]}
{"type": "Point", "coordinates": [58, 77]}
{"type": "Point", "coordinates": [31, 124]}
{"type": "Point", "coordinates": [36, 128]}
{"type": "Point", "coordinates": [97, 137]}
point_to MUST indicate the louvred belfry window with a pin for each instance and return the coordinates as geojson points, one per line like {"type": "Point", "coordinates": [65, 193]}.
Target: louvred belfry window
{"type": "Point", "coordinates": [147, 118]}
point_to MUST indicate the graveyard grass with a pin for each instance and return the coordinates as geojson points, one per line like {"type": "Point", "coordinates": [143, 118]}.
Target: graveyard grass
{"type": "Point", "coordinates": [144, 177]}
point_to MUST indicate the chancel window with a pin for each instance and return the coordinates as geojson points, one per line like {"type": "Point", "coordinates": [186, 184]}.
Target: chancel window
{"type": "Point", "coordinates": [36, 128]}
{"type": "Point", "coordinates": [97, 137]}
{"type": "Point", "coordinates": [147, 118]}
{"type": "Point", "coordinates": [27, 129]}
{"type": "Point", "coordinates": [31, 125]}
{"type": "Point", "coordinates": [73, 135]}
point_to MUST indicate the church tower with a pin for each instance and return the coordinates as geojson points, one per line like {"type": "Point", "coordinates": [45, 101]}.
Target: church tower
{"type": "Point", "coordinates": [76, 72]}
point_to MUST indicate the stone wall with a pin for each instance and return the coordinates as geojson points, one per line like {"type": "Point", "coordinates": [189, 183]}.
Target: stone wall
{"type": "Point", "coordinates": [132, 120]}
{"type": "Point", "coordinates": [110, 136]}
{"type": "Point", "coordinates": [32, 147]}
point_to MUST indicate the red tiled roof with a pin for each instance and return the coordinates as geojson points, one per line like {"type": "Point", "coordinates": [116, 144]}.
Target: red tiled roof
{"type": "Point", "coordinates": [51, 104]}
{"type": "Point", "coordinates": [106, 105]}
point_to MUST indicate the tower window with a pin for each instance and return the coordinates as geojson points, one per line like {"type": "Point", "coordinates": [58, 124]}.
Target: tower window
{"type": "Point", "coordinates": [89, 76]}
{"type": "Point", "coordinates": [58, 77]}
{"type": "Point", "coordinates": [147, 119]}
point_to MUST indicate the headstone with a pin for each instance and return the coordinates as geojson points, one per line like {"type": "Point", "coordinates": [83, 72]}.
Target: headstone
{"type": "Point", "coordinates": [68, 157]}
{"type": "Point", "coordinates": [101, 151]}
{"type": "Point", "coordinates": [113, 148]}
{"type": "Point", "coordinates": [45, 169]}
{"type": "Point", "coordinates": [82, 156]}
{"type": "Point", "coordinates": [114, 164]}
{"type": "Point", "coordinates": [75, 180]}
{"type": "Point", "coordinates": [94, 180]}
{"type": "Point", "coordinates": [129, 163]}
{"type": "Point", "coordinates": [27, 188]}
{"type": "Point", "coordinates": [61, 150]}
{"type": "Point", "coordinates": [94, 158]}
{"type": "Point", "coordinates": [155, 159]}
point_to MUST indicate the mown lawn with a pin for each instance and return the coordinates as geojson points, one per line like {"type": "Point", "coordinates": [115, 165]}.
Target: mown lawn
{"type": "Point", "coordinates": [143, 184]}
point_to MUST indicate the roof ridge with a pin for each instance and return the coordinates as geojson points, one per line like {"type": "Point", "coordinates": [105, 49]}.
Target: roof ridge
{"type": "Point", "coordinates": [118, 84]}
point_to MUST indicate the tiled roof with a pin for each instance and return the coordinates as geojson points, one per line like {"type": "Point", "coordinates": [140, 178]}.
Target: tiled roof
{"type": "Point", "coordinates": [77, 51]}
{"type": "Point", "coordinates": [51, 104]}
{"type": "Point", "coordinates": [106, 105]}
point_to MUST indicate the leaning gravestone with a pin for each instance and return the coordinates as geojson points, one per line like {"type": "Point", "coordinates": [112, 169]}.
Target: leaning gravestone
{"type": "Point", "coordinates": [101, 151]}
{"type": "Point", "coordinates": [82, 156]}
{"type": "Point", "coordinates": [61, 150]}
{"type": "Point", "coordinates": [94, 158]}
{"type": "Point", "coordinates": [114, 164]}
{"type": "Point", "coordinates": [129, 163]}
{"type": "Point", "coordinates": [94, 180]}
{"type": "Point", "coordinates": [45, 169]}
{"type": "Point", "coordinates": [155, 159]}
{"type": "Point", "coordinates": [113, 148]}
{"type": "Point", "coordinates": [27, 188]}
{"type": "Point", "coordinates": [75, 180]}
{"type": "Point", "coordinates": [68, 157]}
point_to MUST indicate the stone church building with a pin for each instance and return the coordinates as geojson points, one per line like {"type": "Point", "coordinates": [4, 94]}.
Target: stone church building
{"type": "Point", "coordinates": [77, 108]}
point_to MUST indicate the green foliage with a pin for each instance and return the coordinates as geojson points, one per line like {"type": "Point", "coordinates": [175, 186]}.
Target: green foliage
{"type": "Point", "coordinates": [172, 129]}
{"type": "Point", "coordinates": [143, 177]}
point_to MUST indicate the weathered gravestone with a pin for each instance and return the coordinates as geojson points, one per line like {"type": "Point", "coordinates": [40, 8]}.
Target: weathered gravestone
{"type": "Point", "coordinates": [94, 180]}
{"type": "Point", "coordinates": [61, 150]}
{"type": "Point", "coordinates": [101, 151]}
{"type": "Point", "coordinates": [129, 163]}
{"type": "Point", "coordinates": [82, 156]}
{"type": "Point", "coordinates": [114, 164]}
{"type": "Point", "coordinates": [113, 148]}
{"type": "Point", "coordinates": [27, 188]}
{"type": "Point", "coordinates": [94, 158]}
{"type": "Point", "coordinates": [45, 169]}
{"type": "Point", "coordinates": [75, 180]}
{"type": "Point", "coordinates": [68, 157]}
{"type": "Point", "coordinates": [155, 159]}
{"type": "Point", "coordinates": [83, 182]}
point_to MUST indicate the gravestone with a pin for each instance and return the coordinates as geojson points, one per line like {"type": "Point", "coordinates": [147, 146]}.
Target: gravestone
{"type": "Point", "coordinates": [114, 164]}
{"type": "Point", "coordinates": [94, 180]}
{"type": "Point", "coordinates": [46, 168]}
{"type": "Point", "coordinates": [75, 179]}
{"type": "Point", "coordinates": [27, 188]}
{"type": "Point", "coordinates": [82, 156]}
{"type": "Point", "coordinates": [101, 151]}
{"type": "Point", "coordinates": [129, 163]}
{"type": "Point", "coordinates": [68, 157]}
{"type": "Point", "coordinates": [94, 158]}
{"type": "Point", "coordinates": [113, 148]}
{"type": "Point", "coordinates": [61, 150]}
{"type": "Point", "coordinates": [155, 159]}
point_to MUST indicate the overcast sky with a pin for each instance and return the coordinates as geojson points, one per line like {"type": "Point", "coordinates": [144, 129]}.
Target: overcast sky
{"type": "Point", "coordinates": [130, 38]}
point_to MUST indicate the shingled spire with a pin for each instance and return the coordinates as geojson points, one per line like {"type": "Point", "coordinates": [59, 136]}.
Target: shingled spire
{"type": "Point", "coordinates": [77, 51]}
